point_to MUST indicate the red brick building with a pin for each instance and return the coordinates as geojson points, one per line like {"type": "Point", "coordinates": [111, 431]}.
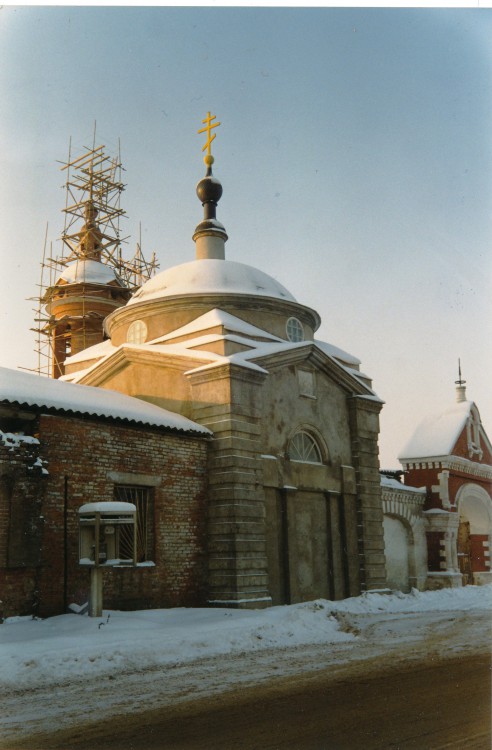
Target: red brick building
{"type": "Point", "coordinates": [451, 456]}
{"type": "Point", "coordinates": [62, 445]}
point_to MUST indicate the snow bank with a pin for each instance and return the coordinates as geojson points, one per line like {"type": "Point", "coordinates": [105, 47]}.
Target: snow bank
{"type": "Point", "coordinates": [444, 600]}
{"type": "Point", "coordinates": [40, 653]}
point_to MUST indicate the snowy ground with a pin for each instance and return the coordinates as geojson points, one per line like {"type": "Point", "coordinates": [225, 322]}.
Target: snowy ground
{"type": "Point", "coordinates": [69, 669]}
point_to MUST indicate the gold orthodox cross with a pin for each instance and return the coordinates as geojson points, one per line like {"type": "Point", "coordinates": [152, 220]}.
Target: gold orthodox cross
{"type": "Point", "coordinates": [210, 136]}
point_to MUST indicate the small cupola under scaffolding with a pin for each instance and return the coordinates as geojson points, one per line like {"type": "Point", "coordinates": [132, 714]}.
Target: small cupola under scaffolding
{"type": "Point", "coordinates": [90, 279]}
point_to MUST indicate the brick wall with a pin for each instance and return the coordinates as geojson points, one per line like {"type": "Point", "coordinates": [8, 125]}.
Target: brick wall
{"type": "Point", "coordinates": [479, 552]}
{"type": "Point", "coordinates": [435, 550]}
{"type": "Point", "coordinates": [81, 455]}
{"type": "Point", "coordinates": [21, 493]}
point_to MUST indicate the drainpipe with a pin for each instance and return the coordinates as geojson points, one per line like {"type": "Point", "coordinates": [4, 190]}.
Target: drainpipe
{"type": "Point", "coordinates": [65, 546]}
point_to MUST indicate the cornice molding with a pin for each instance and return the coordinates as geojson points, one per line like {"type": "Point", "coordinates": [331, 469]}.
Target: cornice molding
{"type": "Point", "coordinates": [227, 370]}
{"type": "Point", "coordinates": [126, 355]}
{"type": "Point", "coordinates": [310, 352]}
{"type": "Point", "coordinates": [451, 463]}
{"type": "Point", "coordinates": [157, 306]}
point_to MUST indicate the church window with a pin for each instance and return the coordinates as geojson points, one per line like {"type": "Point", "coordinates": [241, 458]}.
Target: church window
{"type": "Point", "coordinates": [142, 498]}
{"type": "Point", "coordinates": [303, 447]}
{"type": "Point", "coordinates": [294, 330]}
{"type": "Point", "coordinates": [137, 332]}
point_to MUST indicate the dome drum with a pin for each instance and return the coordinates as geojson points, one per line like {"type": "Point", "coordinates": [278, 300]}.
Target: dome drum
{"type": "Point", "coordinates": [168, 314]}
{"type": "Point", "coordinates": [178, 295]}
{"type": "Point", "coordinates": [76, 306]}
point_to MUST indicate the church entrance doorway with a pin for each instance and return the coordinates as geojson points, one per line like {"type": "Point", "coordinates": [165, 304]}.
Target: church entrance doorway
{"type": "Point", "coordinates": [474, 534]}
{"type": "Point", "coordinates": [306, 547]}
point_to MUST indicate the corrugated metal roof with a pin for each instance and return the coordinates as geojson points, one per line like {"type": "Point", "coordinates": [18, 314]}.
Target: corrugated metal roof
{"type": "Point", "coordinates": [30, 390]}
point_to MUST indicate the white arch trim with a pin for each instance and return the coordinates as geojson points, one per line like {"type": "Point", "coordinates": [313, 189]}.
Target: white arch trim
{"type": "Point", "coordinates": [475, 505]}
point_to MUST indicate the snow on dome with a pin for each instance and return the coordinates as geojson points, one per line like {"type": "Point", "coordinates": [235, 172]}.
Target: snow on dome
{"type": "Point", "coordinates": [91, 271]}
{"type": "Point", "coordinates": [208, 276]}
{"type": "Point", "coordinates": [34, 390]}
{"type": "Point", "coordinates": [437, 435]}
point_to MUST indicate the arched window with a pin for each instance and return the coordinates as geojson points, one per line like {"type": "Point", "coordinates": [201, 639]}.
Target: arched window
{"type": "Point", "coordinates": [304, 448]}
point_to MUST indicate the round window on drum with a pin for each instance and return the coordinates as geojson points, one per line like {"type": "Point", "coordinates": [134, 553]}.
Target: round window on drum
{"type": "Point", "coordinates": [294, 330]}
{"type": "Point", "coordinates": [137, 332]}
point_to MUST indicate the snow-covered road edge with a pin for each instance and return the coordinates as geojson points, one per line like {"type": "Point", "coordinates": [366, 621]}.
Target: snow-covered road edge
{"type": "Point", "coordinates": [37, 654]}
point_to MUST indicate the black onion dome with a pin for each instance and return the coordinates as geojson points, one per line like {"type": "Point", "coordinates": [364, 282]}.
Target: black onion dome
{"type": "Point", "coordinates": [209, 189]}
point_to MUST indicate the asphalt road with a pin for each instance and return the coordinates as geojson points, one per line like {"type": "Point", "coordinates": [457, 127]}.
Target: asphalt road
{"type": "Point", "coordinates": [434, 705]}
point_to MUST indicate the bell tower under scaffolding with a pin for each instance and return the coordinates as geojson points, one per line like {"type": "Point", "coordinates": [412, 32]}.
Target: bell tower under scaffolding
{"type": "Point", "coordinates": [90, 278]}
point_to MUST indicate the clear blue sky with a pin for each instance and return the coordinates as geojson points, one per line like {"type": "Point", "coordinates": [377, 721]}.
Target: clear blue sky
{"type": "Point", "coordinates": [355, 153]}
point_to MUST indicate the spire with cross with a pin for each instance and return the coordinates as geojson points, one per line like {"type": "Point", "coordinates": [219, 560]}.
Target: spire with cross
{"type": "Point", "coordinates": [210, 235]}
{"type": "Point", "coordinates": [460, 385]}
{"type": "Point", "coordinates": [209, 125]}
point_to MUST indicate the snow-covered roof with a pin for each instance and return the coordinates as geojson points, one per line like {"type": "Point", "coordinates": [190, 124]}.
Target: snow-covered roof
{"type": "Point", "coordinates": [91, 271]}
{"type": "Point", "coordinates": [257, 342]}
{"type": "Point", "coordinates": [340, 354]}
{"type": "Point", "coordinates": [394, 484]}
{"type": "Point", "coordinates": [92, 352]}
{"type": "Point", "coordinates": [437, 435]}
{"type": "Point", "coordinates": [32, 390]}
{"type": "Point", "coordinates": [209, 276]}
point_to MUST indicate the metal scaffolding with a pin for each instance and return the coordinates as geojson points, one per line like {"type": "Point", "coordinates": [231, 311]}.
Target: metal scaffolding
{"type": "Point", "coordinates": [93, 189]}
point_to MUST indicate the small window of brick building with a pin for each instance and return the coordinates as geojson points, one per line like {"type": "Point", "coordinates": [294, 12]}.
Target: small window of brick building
{"type": "Point", "coordinates": [142, 498]}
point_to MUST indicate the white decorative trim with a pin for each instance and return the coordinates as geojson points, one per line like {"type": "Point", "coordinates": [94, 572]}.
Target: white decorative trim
{"type": "Point", "coordinates": [442, 489]}
{"type": "Point", "coordinates": [124, 477]}
{"type": "Point", "coordinates": [402, 503]}
{"type": "Point", "coordinates": [456, 463]}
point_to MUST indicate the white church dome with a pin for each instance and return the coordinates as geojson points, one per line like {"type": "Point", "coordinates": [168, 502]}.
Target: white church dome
{"type": "Point", "coordinates": [210, 276]}
{"type": "Point", "coordinates": [89, 271]}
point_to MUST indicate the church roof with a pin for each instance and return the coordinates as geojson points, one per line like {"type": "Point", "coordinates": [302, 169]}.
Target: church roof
{"type": "Point", "coordinates": [257, 345]}
{"type": "Point", "coordinates": [437, 435]}
{"type": "Point", "coordinates": [215, 318]}
{"type": "Point", "coordinates": [210, 276]}
{"type": "Point", "coordinates": [26, 389]}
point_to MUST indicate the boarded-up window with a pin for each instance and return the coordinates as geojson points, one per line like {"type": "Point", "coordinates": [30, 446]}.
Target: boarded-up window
{"type": "Point", "coordinates": [306, 383]}
{"type": "Point", "coordinates": [23, 528]}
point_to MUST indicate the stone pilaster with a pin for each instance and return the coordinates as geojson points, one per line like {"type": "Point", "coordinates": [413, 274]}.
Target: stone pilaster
{"type": "Point", "coordinates": [364, 430]}
{"type": "Point", "coordinates": [227, 400]}
{"type": "Point", "coordinates": [444, 523]}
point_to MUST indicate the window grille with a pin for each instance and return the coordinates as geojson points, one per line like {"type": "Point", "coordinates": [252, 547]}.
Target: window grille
{"type": "Point", "coordinates": [303, 447]}
{"type": "Point", "coordinates": [141, 497]}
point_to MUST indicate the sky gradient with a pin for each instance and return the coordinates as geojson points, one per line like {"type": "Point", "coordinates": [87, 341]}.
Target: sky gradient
{"type": "Point", "coordinates": [355, 154]}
